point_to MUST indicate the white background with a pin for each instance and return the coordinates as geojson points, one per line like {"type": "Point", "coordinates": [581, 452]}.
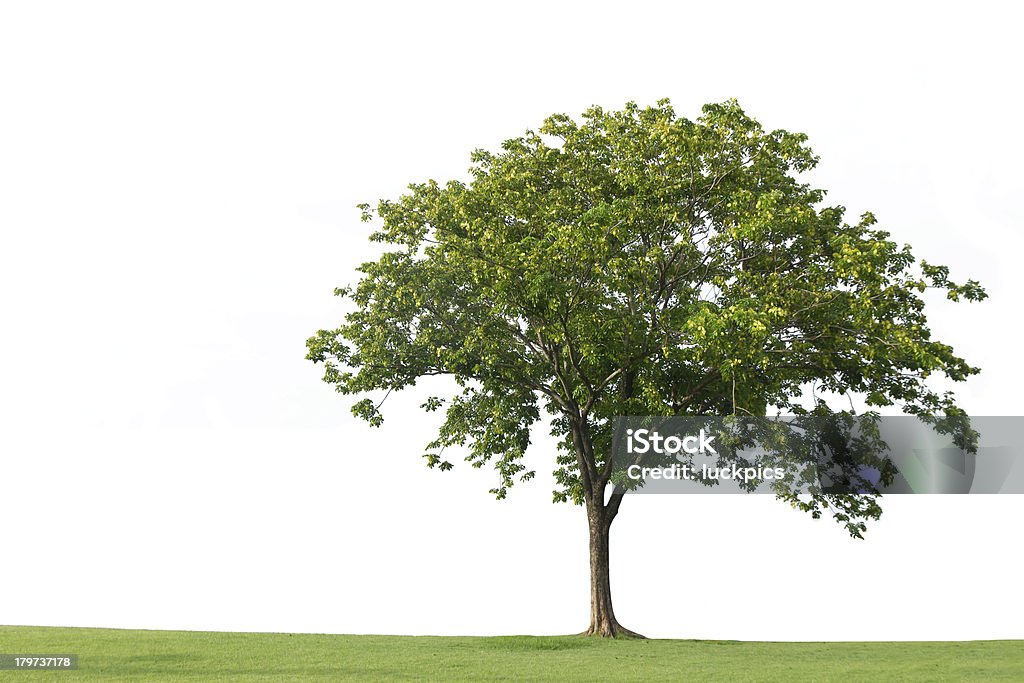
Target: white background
{"type": "Point", "coordinates": [177, 191]}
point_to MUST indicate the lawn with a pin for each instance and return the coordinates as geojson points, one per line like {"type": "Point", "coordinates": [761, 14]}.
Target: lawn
{"type": "Point", "coordinates": [121, 655]}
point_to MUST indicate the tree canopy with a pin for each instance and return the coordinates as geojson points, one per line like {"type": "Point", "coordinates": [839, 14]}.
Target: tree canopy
{"type": "Point", "coordinates": [635, 263]}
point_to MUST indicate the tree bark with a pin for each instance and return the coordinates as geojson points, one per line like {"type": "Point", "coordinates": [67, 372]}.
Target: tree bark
{"type": "Point", "coordinates": [602, 616]}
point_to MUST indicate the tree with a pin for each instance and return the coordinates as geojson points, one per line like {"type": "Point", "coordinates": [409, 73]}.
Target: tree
{"type": "Point", "coordinates": [634, 263]}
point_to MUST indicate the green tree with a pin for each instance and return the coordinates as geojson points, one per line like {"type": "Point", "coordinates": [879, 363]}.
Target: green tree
{"type": "Point", "coordinates": [634, 263]}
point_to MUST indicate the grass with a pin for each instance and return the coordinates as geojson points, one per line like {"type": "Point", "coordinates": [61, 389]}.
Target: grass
{"type": "Point", "coordinates": [121, 655]}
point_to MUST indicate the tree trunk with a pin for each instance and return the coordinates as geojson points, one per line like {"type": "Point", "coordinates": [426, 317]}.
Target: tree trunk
{"type": "Point", "coordinates": [602, 616]}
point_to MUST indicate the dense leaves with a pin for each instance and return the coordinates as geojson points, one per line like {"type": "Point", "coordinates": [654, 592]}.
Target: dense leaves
{"type": "Point", "coordinates": [635, 263]}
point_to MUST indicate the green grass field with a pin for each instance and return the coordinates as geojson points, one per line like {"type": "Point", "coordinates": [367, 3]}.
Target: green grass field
{"type": "Point", "coordinates": [116, 655]}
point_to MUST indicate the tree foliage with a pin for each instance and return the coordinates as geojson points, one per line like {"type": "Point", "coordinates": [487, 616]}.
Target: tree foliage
{"type": "Point", "coordinates": [635, 263]}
